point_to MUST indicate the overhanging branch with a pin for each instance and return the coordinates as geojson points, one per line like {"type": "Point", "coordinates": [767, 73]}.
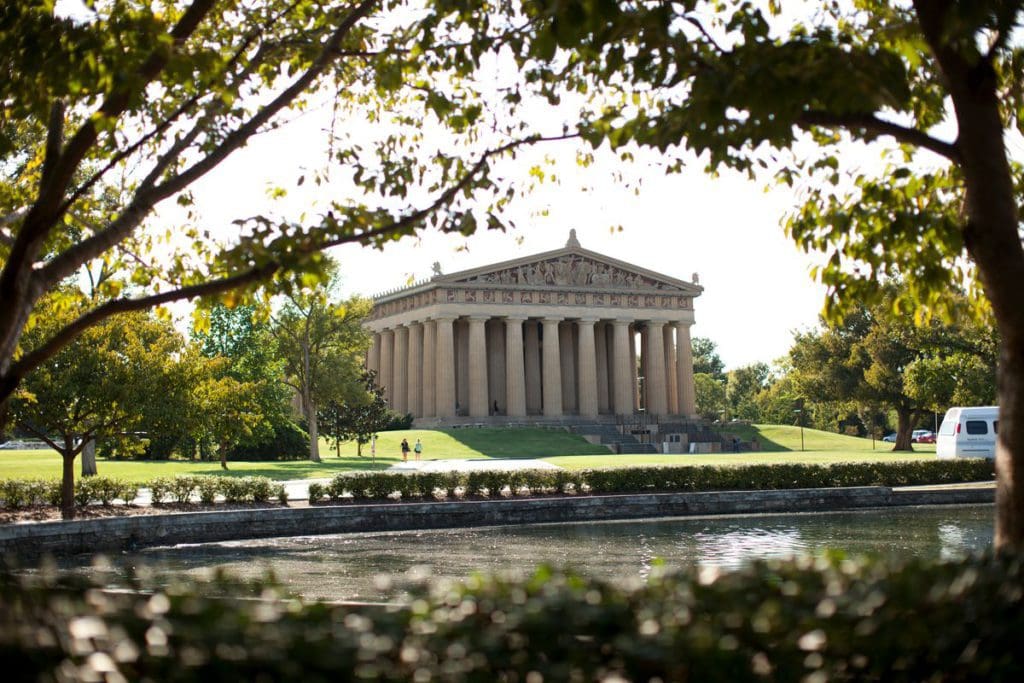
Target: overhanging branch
{"type": "Point", "coordinates": [871, 123]}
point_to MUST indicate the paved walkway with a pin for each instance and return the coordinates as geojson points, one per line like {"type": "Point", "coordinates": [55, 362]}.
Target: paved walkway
{"type": "Point", "coordinates": [298, 489]}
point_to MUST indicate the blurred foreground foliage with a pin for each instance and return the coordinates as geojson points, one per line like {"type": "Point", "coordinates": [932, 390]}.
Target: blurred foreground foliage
{"type": "Point", "coordinates": [810, 619]}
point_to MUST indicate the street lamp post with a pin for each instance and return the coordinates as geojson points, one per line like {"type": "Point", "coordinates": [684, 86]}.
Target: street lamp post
{"type": "Point", "coordinates": [800, 418]}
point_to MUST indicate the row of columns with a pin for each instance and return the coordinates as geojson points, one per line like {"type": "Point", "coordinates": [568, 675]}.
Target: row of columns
{"type": "Point", "coordinates": [447, 366]}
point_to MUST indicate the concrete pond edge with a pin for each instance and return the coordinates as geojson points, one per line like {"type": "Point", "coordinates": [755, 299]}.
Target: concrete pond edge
{"type": "Point", "coordinates": [28, 541]}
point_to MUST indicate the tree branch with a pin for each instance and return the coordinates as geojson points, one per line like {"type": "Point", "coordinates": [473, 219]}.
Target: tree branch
{"type": "Point", "coordinates": [872, 123]}
{"type": "Point", "coordinates": [67, 263]}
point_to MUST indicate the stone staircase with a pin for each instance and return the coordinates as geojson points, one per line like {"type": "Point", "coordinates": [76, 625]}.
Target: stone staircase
{"type": "Point", "coordinates": [610, 436]}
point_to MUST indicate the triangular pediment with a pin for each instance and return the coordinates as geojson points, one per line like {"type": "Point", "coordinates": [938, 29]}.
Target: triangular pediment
{"type": "Point", "coordinates": [570, 268]}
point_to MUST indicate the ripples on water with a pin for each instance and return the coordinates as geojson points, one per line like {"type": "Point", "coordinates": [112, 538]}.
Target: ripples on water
{"type": "Point", "coordinates": [380, 566]}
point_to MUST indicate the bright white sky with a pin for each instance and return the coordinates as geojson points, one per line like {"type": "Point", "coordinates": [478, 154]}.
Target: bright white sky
{"type": "Point", "coordinates": [726, 229]}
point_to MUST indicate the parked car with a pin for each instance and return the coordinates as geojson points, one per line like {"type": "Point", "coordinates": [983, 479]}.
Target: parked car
{"type": "Point", "coordinates": [891, 438]}
{"type": "Point", "coordinates": [923, 436]}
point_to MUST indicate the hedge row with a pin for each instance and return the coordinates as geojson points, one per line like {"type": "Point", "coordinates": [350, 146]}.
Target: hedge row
{"type": "Point", "coordinates": [21, 493]}
{"type": "Point", "coordinates": [804, 620]}
{"type": "Point", "coordinates": [491, 484]}
{"type": "Point", "coordinates": [183, 489]}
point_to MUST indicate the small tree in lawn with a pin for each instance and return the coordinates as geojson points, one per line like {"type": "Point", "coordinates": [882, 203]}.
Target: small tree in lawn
{"type": "Point", "coordinates": [228, 408]}
{"type": "Point", "coordinates": [100, 386]}
{"type": "Point", "coordinates": [322, 344]}
{"type": "Point", "coordinates": [359, 418]}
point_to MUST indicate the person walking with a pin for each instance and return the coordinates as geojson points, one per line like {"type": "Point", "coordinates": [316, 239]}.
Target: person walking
{"type": "Point", "coordinates": [418, 449]}
{"type": "Point", "coordinates": [405, 450]}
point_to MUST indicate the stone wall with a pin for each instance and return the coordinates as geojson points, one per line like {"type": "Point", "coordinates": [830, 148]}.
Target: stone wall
{"type": "Point", "coordinates": [29, 541]}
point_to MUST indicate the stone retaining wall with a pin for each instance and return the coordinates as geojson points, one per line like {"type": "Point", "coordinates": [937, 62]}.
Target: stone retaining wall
{"type": "Point", "coordinates": [116, 534]}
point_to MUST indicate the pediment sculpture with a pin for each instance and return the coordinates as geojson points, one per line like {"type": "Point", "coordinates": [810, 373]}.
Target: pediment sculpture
{"type": "Point", "coordinates": [569, 271]}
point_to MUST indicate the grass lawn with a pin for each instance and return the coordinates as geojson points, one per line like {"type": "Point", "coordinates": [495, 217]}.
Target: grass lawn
{"type": "Point", "coordinates": [437, 445]}
{"type": "Point", "coordinates": [779, 443]}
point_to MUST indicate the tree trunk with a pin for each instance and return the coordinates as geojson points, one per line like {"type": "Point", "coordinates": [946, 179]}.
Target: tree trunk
{"type": "Point", "coordinates": [89, 458]}
{"type": "Point", "coordinates": [992, 238]}
{"type": "Point", "coordinates": [314, 434]}
{"type": "Point", "coordinates": [223, 455]}
{"type": "Point", "coordinates": [67, 485]}
{"type": "Point", "coordinates": [904, 429]}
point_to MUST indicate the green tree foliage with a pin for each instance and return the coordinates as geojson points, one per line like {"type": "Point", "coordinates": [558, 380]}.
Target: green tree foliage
{"type": "Point", "coordinates": [876, 356]}
{"type": "Point", "coordinates": [151, 97]}
{"type": "Point", "coordinates": [100, 386]}
{"type": "Point", "coordinates": [743, 386]}
{"type": "Point", "coordinates": [357, 418]}
{"type": "Point", "coordinates": [242, 335]}
{"type": "Point", "coordinates": [706, 359]}
{"type": "Point", "coordinates": [322, 345]}
{"type": "Point", "coordinates": [709, 396]}
{"type": "Point", "coordinates": [935, 86]}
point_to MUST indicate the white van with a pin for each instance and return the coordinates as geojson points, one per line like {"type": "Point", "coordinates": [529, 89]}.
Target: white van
{"type": "Point", "coordinates": [968, 433]}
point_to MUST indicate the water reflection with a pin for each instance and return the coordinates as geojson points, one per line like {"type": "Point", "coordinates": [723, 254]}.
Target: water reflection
{"type": "Point", "coordinates": [344, 567]}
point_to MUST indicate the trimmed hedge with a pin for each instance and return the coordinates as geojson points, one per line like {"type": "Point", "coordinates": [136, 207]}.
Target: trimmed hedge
{"type": "Point", "coordinates": [370, 486]}
{"type": "Point", "coordinates": [21, 493]}
{"type": "Point", "coordinates": [805, 620]}
{"type": "Point", "coordinates": [494, 484]}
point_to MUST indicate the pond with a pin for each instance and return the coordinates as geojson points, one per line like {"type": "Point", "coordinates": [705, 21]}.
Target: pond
{"type": "Point", "coordinates": [380, 566]}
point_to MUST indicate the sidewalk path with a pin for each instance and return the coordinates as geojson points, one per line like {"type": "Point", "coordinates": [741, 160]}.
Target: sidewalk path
{"type": "Point", "coordinates": [298, 489]}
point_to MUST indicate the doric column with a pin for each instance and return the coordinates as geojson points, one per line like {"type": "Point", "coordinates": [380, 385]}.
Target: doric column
{"type": "Point", "coordinates": [496, 371]}
{"type": "Point", "coordinates": [587, 362]}
{"type": "Point", "coordinates": [429, 368]}
{"type": "Point", "coordinates": [552, 364]}
{"type": "Point", "coordinates": [478, 366]}
{"type": "Point", "coordinates": [387, 354]}
{"type": "Point", "coordinates": [373, 355]}
{"type": "Point", "coordinates": [462, 366]}
{"type": "Point", "coordinates": [644, 370]}
{"type": "Point", "coordinates": [604, 402]}
{"type": "Point", "coordinates": [515, 369]}
{"type": "Point", "coordinates": [415, 401]}
{"type": "Point", "coordinates": [531, 362]}
{"type": "Point", "coordinates": [657, 387]}
{"type": "Point", "coordinates": [622, 371]}
{"type": "Point", "coordinates": [444, 368]}
{"type": "Point", "coordinates": [400, 402]}
{"type": "Point", "coordinates": [567, 354]}
{"type": "Point", "coordinates": [684, 371]}
{"type": "Point", "coordinates": [634, 380]}
{"type": "Point", "coordinates": [670, 370]}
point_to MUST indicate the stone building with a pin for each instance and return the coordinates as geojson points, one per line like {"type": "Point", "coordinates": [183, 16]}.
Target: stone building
{"type": "Point", "coordinates": [563, 334]}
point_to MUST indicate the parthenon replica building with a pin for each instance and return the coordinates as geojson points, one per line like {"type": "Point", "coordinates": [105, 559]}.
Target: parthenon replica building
{"type": "Point", "coordinates": [544, 337]}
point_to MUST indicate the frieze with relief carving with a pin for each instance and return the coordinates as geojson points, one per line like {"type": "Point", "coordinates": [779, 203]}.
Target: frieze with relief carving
{"type": "Point", "coordinates": [598, 300]}
{"type": "Point", "coordinates": [569, 271]}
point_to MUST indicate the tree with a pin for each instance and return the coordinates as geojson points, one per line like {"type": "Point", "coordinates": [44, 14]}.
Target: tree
{"type": "Point", "coordinates": [743, 386]}
{"type": "Point", "coordinates": [152, 97]}
{"type": "Point", "coordinates": [876, 356]}
{"type": "Point", "coordinates": [323, 345]}
{"type": "Point", "coordinates": [706, 359]}
{"type": "Point", "coordinates": [242, 336]}
{"type": "Point", "coordinates": [709, 396]}
{"type": "Point", "coordinates": [358, 418]}
{"type": "Point", "coordinates": [936, 85]}
{"type": "Point", "coordinates": [100, 386]}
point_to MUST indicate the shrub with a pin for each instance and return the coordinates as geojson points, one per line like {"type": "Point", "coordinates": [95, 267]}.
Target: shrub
{"type": "Point", "coordinates": [183, 488]}
{"type": "Point", "coordinates": [804, 620]}
{"type": "Point", "coordinates": [280, 493]}
{"type": "Point", "coordinates": [208, 487]}
{"type": "Point", "coordinates": [160, 489]}
{"type": "Point", "coordinates": [316, 492]}
{"type": "Point", "coordinates": [20, 493]}
{"type": "Point", "coordinates": [288, 441]}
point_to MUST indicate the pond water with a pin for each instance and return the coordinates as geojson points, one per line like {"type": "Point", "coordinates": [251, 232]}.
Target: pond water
{"type": "Point", "coordinates": [380, 566]}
